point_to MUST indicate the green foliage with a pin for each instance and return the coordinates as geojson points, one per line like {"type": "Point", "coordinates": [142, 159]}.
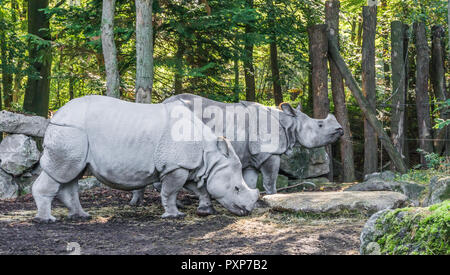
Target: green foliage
{"type": "Point", "coordinates": [442, 107]}
{"type": "Point", "coordinates": [437, 166]}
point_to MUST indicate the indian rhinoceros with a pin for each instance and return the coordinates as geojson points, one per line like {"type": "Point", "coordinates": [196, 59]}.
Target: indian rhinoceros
{"type": "Point", "coordinates": [128, 146]}
{"type": "Point", "coordinates": [290, 125]}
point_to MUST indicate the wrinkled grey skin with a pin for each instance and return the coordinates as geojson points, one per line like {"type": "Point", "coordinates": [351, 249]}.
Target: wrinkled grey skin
{"type": "Point", "coordinates": [128, 146]}
{"type": "Point", "coordinates": [295, 127]}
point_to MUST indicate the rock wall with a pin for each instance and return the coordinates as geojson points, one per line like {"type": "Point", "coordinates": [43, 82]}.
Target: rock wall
{"type": "Point", "coordinates": [19, 157]}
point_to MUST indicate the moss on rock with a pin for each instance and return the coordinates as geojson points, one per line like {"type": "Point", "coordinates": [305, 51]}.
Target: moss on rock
{"type": "Point", "coordinates": [414, 230]}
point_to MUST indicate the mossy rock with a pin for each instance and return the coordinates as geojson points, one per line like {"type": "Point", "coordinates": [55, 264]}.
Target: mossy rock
{"type": "Point", "coordinates": [438, 190]}
{"type": "Point", "coordinates": [416, 230]}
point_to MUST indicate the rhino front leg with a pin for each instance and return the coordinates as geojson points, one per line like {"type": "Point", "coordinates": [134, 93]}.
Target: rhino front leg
{"type": "Point", "coordinates": [269, 170]}
{"type": "Point", "coordinates": [172, 183]}
{"type": "Point", "coordinates": [68, 194]}
{"type": "Point", "coordinates": [138, 197]}
{"type": "Point", "coordinates": [44, 189]}
{"type": "Point", "coordinates": [250, 177]}
{"type": "Point", "coordinates": [205, 206]}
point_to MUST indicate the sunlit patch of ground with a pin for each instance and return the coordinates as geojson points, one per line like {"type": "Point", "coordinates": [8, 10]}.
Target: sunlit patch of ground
{"type": "Point", "coordinates": [117, 228]}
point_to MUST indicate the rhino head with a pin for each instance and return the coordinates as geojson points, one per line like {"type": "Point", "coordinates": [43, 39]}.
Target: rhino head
{"type": "Point", "coordinates": [310, 132]}
{"type": "Point", "coordinates": [226, 184]}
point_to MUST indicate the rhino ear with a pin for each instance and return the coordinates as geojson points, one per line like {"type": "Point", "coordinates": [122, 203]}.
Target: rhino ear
{"type": "Point", "coordinates": [299, 107]}
{"type": "Point", "coordinates": [223, 146]}
{"type": "Point", "coordinates": [287, 109]}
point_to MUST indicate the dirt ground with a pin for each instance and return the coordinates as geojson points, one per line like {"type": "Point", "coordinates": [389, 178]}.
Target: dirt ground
{"type": "Point", "coordinates": [116, 228]}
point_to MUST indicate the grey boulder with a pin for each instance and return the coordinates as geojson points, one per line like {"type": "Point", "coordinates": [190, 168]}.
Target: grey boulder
{"type": "Point", "coordinates": [18, 153]}
{"type": "Point", "coordinates": [336, 202]}
{"type": "Point", "coordinates": [15, 123]}
{"type": "Point", "coordinates": [385, 181]}
{"type": "Point", "coordinates": [8, 189]}
{"type": "Point", "coordinates": [305, 163]}
{"type": "Point", "coordinates": [25, 181]}
{"type": "Point", "coordinates": [438, 191]}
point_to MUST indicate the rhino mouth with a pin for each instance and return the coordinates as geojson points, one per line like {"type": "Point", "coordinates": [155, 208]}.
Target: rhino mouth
{"type": "Point", "coordinates": [336, 135]}
{"type": "Point", "coordinates": [240, 211]}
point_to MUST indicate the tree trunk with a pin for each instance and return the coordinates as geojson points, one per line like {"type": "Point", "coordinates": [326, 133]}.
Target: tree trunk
{"type": "Point", "coordinates": [236, 77]}
{"type": "Point", "coordinates": [144, 51]}
{"type": "Point", "coordinates": [360, 29]}
{"type": "Point", "coordinates": [438, 81]}
{"type": "Point", "coordinates": [37, 91]}
{"type": "Point", "coordinates": [422, 97]}
{"type": "Point", "coordinates": [332, 8]}
{"type": "Point", "coordinates": [1, 107]}
{"type": "Point", "coordinates": [368, 86]}
{"type": "Point", "coordinates": [7, 77]}
{"type": "Point", "coordinates": [407, 81]}
{"type": "Point", "coordinates": [179, 66]}
{"type": "Point", "coordinates": [249, 71]}
{"type": "Point", "coordinates": [318, 51]}
{"type": "Point", "coordinates": [398, 85]}
{"type": "Point", "coordinates": [277, 94]}
{"type": "Point", "coordinates": [71, 88]}
{"type": "Point", "coordinates": [365, 106]}
{"type": "Point", "coordinates": [109, 49]}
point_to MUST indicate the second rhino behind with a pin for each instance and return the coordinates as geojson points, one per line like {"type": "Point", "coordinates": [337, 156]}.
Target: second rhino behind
{"type": "Point", "coordinates": [128, 146]}
{"type": "Point", "coordinates": [291, 125]}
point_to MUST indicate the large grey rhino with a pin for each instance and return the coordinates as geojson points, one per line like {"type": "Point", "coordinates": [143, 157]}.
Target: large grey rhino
{"type": "Point", "coordinates": [293, 127]}
{"type": "Point", "coordinates": [128, 146]}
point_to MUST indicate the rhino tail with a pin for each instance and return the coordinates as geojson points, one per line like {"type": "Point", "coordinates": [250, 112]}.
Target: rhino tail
{"type": "Point", "coordinates": [65, 152]}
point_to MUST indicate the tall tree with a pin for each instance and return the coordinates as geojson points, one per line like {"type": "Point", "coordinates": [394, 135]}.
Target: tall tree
{"type": "Point", "coordinates": [318, 51]}
{"type": "Point", "coordinates": [249, 70]}
{"type": "Point", "coordinates": [422, 97]}
{"type": "Point", "coordinates": [179, 65]}
{"type": "Point", "coordinates": [368, 86]}
{"type": "Point", "coordinates": [438, 80]}
{"type": "Point", "coordinates": [332, 8]}
{"type": "Point", "coordinates": [40, 53]}
{"type": "Point", "coordinates": [144, 51]}
{"type": "Point", "coordinates": [277, 94]}
{"type": "Point", "coordinates": [7, 76]}
{"type": "Point", "coordinates": [398, 85]}
{"type": "Point", "coordinates": [109, 49]}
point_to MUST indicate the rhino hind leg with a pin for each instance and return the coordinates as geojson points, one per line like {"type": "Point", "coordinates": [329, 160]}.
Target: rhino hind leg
{"type": "Point", "coordinates": [172, 183]}
{"type": "Point", "coordinates": [68, 194]}
{"type": "Point", "coordinates": [44, 189]}
{"type": "Point", "coordinates": [205, 206]}
{"type": "Point", "coordinates": [65, 153]}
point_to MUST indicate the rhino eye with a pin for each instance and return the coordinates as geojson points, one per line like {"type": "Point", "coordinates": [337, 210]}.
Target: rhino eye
{"type": "Point", "coordinates": [236, 188]}
{"type": "Point", "coordinates": [320, 125]}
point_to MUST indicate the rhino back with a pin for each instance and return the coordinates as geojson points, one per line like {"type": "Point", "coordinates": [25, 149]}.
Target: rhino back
{"type": "Point", "coordinates": [123, 137]}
